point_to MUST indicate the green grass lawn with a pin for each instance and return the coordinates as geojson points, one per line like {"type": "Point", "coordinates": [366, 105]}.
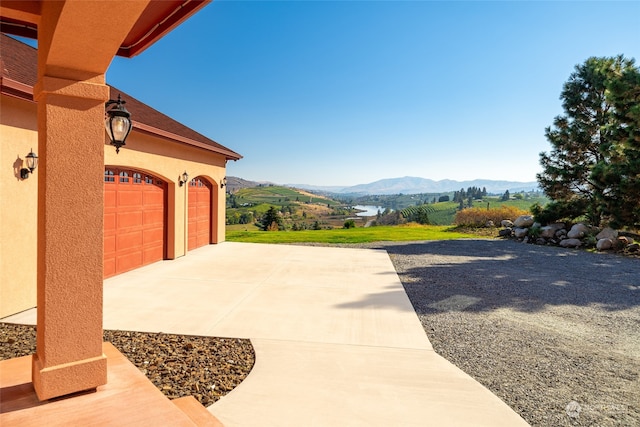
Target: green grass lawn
{"type": "Point", "coordinates": [352, 235]}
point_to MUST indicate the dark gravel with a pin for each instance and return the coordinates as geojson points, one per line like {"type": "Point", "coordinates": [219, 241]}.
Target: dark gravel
{"type": "Point", "coordinates": [179, 365]}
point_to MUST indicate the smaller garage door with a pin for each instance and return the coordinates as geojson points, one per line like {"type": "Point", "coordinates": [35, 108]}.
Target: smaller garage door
{"type": "Point", "coordinates": [134, 220]}
{"type": "Point", "coordinates": [200, 192]}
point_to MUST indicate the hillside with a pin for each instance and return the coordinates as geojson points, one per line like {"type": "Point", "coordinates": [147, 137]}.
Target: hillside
{"type": "Point", "coordinates": [302, 210]}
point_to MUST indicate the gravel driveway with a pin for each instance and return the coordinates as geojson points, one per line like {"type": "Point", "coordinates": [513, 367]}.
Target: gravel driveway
{"type": "Point", "coordinates": [553, 332]}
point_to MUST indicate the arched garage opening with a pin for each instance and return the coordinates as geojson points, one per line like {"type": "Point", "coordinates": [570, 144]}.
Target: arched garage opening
{"type": "Point", "coordinates": [199, 223]}
{"type": "Point", "coordinates": [135, 220]}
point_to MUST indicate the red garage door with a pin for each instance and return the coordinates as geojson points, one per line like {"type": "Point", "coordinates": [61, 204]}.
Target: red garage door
{"type": "Point", "coordinates": [134, 220]}
{"type": "Point", "coordinates": [199, 213]}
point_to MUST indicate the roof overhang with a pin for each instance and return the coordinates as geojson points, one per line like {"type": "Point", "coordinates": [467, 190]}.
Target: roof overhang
{"type": "Point", "coordinates": [21, 18]}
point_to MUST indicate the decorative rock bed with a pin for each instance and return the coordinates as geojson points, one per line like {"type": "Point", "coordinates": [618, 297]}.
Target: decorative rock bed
{"type": "Point", "coordinates": [206, 368]}
{"type": "Point", "coordinates": [579, 235]}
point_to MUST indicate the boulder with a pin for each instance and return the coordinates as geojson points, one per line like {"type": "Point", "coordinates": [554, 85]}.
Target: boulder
{"type": "Point", "coordinates": [549, 231]}
{"type": "Point", "coordinates": [506, 223]}
{"type": "Point", "coordinates": [561, 233]}
{"type": "Point", "coordinates": [624, 240]}
{"type": "Point", "coordinates": [634, 247]}
{"type": "Point", "coordinates": [520, 232]}
{"type": "Point", "coordinates": [489, 224]}
{"type": "Point", "coordinates": [578, 231]}
{"type": "Point", "coordinates": [505, 232]}
{"type": "Point", "coordinates": [541, 241]}
{"type": "Point", "coordinates": [604, 244]}
{"type": "Point", "coordinates": [523, 221]}
{"type": "Point", "coordinates": [570, 243]}
{"type": "Point", "coordinates": [607, 233]}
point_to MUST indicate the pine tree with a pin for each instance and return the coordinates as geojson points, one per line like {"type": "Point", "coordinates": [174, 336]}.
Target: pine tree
{"type": "Point", "coordinates": [271, 220]}
{"type": "Point", "coordinates": [592, 168]}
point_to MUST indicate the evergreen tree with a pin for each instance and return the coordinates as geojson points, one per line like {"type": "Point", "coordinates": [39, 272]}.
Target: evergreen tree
{"type": "Point", "coordinates": [593, 166]}
{"type": "Point", "coordinates": [622, 173]}
{"type": "Point", "coordinates": [271, 220]}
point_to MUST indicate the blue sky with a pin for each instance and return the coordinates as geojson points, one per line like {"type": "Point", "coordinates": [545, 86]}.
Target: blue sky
{"type": "Point", "coordinates": [350, 92]}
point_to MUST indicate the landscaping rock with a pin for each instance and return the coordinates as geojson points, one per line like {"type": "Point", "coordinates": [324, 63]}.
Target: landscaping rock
{"type": "Point", "coordinates": [505, 232]}
{"type": "Point", "coordinates": [506, 223]}
{"type": "Point", "coordinates": [549, 231]}
{"type": "Point", "coordinates": [607, 233]}
{"type": "Point", "coordinates": [489, 224]}
{"type": "Point", "coordinates": [634, 247]}
{"type": "Point", "coordinates": [624, 241]}
{"type": "Point", "coordinates": [570, 243]}
{"type": "Point", "coordinates": [520, 232]}
{"type": "Point", "coordinates": [523, 221]}
{"type": "Point", "coordinates": [604, 244]}
{"type": "Point", "coordinates": [578, 231]}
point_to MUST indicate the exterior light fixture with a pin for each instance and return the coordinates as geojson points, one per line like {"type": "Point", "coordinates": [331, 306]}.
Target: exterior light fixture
{"type": "Point", "coordinates": [184, 178]}
{"type": "Point", "coordinates": [118, 122]}
{"type": "Point", "coordinates": [223, 183]}
{"type": "Point", "coordinates": [32, 164]}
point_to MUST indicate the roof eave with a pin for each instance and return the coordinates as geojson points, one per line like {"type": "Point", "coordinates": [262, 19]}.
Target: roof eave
{"type": "Point", "coordinates": [21, 18]}
{"type": "Point", "coordinates": [19, 90]}
{"type": "Point", "coordinates": [144, 128]}
{"type": "Point", "coordinates": [16, 89]}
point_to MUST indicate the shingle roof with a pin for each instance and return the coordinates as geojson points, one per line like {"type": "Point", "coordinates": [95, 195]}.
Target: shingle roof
{"type": "Point", "coordinates": [18, 67]}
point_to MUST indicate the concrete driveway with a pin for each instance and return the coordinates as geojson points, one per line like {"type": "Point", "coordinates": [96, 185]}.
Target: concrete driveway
{"type": "Point", "coordinates": [337, 341]}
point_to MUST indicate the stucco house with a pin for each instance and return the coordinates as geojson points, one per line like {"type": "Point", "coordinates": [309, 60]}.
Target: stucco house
{"type": "Point", "coordinates": [150, 212]}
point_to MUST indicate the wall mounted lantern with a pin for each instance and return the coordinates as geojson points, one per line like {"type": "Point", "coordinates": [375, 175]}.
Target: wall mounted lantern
{"type": "Point", "coordinates": [184, 178]}
{"type": "Point", "coordinates": [223, 183]}
{"type": "Point", "coordinates": [118, 122]}
{"type": "Point", "coordinates": [32, 164]}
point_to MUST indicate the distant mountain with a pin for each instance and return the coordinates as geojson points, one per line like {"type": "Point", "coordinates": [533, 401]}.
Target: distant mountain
{"type": "Point", "coordinates": [319, 188]}
{"type": "Point", "coordinates": [415, 185]}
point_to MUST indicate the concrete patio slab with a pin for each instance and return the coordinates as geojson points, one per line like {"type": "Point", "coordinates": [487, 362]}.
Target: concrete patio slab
{"type": "Point", "coordinates": [337, 340]}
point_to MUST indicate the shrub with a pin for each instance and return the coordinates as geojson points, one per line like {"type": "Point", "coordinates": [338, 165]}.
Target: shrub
{"type": "Point", "coordinates": [559, 211]}
{"type": "Point", "coordinates": [478, 217]}
{"type": "Point", "coordinates": [349, 224]}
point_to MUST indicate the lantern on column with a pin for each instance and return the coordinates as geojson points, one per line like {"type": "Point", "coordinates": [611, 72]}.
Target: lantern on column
{"type": "Point", "coordinates": [118, 122]}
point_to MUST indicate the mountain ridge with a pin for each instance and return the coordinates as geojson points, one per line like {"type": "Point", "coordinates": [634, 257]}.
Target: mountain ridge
{"type": "Point", "coordinates": [404, 185]}
{"type": "Point", "coordinates": [417, 185]}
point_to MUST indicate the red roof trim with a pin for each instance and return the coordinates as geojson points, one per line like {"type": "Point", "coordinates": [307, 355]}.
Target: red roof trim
{"type": "Point", "coordinates": [16, 89]}
{"type": "Point", "coordinates": [159, 18]}
{"type": "Point", "coordinates": [137, 42]}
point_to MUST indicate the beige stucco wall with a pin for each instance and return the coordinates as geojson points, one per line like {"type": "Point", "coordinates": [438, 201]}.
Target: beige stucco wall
{"type": "Point", "coordinates": [19, 198]}
{"type": "Point", "coordinates": [18, 206]}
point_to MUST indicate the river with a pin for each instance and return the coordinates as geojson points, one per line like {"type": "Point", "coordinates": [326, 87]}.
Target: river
{"type": "Point", "coordinates": [368, 210]}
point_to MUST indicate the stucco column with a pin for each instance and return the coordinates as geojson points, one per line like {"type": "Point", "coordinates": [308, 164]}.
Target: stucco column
{"type": "Point", "coordinates": [70, 232]}
{"type": "Point", "coordinates": [77, 40]}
